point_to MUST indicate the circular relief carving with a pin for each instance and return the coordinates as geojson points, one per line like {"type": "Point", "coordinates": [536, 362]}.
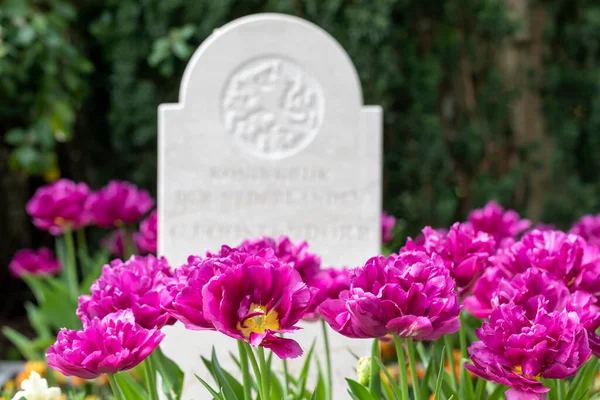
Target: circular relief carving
{"type": "Point", "coordinates": [272, 108]}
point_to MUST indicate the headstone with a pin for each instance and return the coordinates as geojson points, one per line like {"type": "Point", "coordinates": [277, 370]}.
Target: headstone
{"type": "Point", "coordinates": [270, 137]}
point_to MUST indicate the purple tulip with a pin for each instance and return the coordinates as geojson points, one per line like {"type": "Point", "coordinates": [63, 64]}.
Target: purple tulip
{"type": "Point", "coordinates": [60, 205]}
{"type": "Point", "coordinates": [465, 252]}
{"type": "Point", "coordinates": [189, 281]}
{"type": "Point", "coordinates": [479, 303]}
{"type": "Point", "coordinates": [113, 242]}
{"type": "Point", "coordinates": [388, 222]}
{"type": "Point", "coordinates": [28, 261]}
{"type": "Point", "coordinates": [501, 224]}
{"type": "Point", "coordinates": [296, 254]}
{"type": "Point", "coordinates": [329, 283]}
{"type": "Point", "coordinates": [520, 344]}
{"type": "Point", "coordinates": [528, 287]}
{"type": "Point", "coordinates": [587, 308]}
{"type": "Point", "coordinates": [257, 300]}
{"type": "Point", "coordinates": [138, 284]}
{"type": "Point", "coordinates": [146, 238]}
{"type": "Point", "coordinates": [119, 203]}
{"type": "Point", "coordinates": [410, 295]}
{"type": "Point", "coordinates": [104, 346]}
{"type": "Point", "coordinates": [588, 227]}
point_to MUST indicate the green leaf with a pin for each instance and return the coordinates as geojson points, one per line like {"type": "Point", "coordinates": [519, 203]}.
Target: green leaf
{"type": "Point", "coordinates": [37, 320]}
{"type": "Point", "coordinates": [393, 384]}
{"type": "Point", "coordinates": [210, 389]}
{"type": "Point", "coordinates": [301, 385]}
{"type": "Point", "coordinates": [582, 382]}
{"type": "Point", "coordinates": [22, 343]}
{"type": "Point", "coordinates": [438, 382]}
{"type": "Point", "coordinates": [172, 375]}
{"type": "Point", "coordinates": [497, 393]}
{"type": "Point", "coordinates": [130, 388]}
{"type": "Point", "coordinates": [359, 390]}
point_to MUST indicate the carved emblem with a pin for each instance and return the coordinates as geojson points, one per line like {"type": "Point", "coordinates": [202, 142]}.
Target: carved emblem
{"type": "Point", "coordinates": [272, 108]}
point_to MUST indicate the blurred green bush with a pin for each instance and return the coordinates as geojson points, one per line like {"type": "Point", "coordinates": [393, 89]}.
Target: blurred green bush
{"type": "Point", "coordinates": [483, 98]}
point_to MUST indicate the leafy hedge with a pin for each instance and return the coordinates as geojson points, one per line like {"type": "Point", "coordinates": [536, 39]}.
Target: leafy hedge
{"type": "Point", "coordinates": [481, 101]}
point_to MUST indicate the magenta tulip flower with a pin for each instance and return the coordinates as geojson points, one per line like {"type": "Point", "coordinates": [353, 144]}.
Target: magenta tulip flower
{"type": "Point", "coordinates": [119, 203]}
{"type": "Point", "coordinates": [294, 253]}
{"type": "Point", "coordinates": [388, 222]}
{"type": "Point", "coordinates": [501, 224]}
{"type": "Point", "coordinates": [104, 346]}
{"type": "Point", "coordinates": [34, 262]}
{"type": "Point", "coordinates": [139, 284]}
{"type": "Point", "coordinates": [146, 238]}
{"type": "Point", "coordinates": [465, 253]}
{"type": "Point", "coordinates": [329, 283]}
{"type": "Point", "coordinates": [410, 295]}
{"type": "Point", "coordinates": [588, 227]}
{"type": "Point", "coordinates": [520, 344]}
{"type": "Point", "coordinates": [60, 205]}
{"type": "Point", "coordinates": [256, 301]}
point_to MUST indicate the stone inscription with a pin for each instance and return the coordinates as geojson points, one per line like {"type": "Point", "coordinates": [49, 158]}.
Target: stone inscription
{"type": "Point", "coordinates": [272, 107]}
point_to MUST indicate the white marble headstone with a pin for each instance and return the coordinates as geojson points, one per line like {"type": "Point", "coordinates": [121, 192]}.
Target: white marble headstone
{"type": "Point", "coordinates": [270, 136]}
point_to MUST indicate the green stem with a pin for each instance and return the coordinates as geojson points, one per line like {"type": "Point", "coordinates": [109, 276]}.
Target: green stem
{"type": "Point", "coordinates": [71, 267]}
{"type": "Point", "coordinates": [450, 357]}
{"type": "Point", "coordinates": [82, 243]}
{"type": "Point", "coordinates": [410, 346]}
{"type": "Point", "coordinates": [255, 368]}
{"type": "Point", "coordinates": [128, 245]}
{"type": "Point", "coordinates": [264, 373]}
{"type": "Point", "coordinates": [150, 374]}
{"type": "Point", "coordinates": [245, 370]}
{"type": "Point", "coordinates": [115, 387]}
{"type": "Point", "coordinates": [480, 389]}
{"type": "Point", "coordinates": [329, 388]}
{"type": "Point", "coordinates": [401, 367]}
{"type": "Point", "coordinates": [375, 380]}
{"type": "Point", "coordinates": [560, 389]}
{"type": "Point", "coordinates": [462, 337]}
{"type": "Point", "coordinates": [286, 378]}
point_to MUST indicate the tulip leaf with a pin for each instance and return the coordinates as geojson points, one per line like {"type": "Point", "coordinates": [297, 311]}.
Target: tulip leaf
{"type": "Point", "coordinates": [392, 383]}
{"type": "Point", "coordinates": [209, 388]}
{"type": "Point", "coordinates": [23, 344]}
{"type": "Point", "coordinates": [301, 385]}
{"type": "Point", "coordinates": [38, 320]}
{"type": "Point", "coordinates": [129, 387]}
{"type": "Point", "coordinates": [276, 388]}
{"type": "Point", "coordinates": [497, 393]}
{"type": "Point", "coordinates": [359, 390]}
{"type": "Point", "coordinates": [583, 380]}
{"type": "Point", "coordinates": [440, 377]}
{"type": "Point", "coordinates": [172, 376]}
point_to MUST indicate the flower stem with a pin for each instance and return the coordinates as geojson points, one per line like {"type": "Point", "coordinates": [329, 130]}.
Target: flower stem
{"type": "Point", "coordinates": [257, 374]}
{"type": "Point", "coordinates": [401, 367]}
{"type": "Point", "coordinates": [410, 346]}
{"type": "Point", "coordinates": [245, 370]}
{"type": "Point", "coordinates": [286, 378]}
{"type": "Point", "coordinates": [115, 387]}
{"type": "Point", "coordinates": [450, 357]}
{"type": "Point", "coordinates": [560, 386]}
{"type": "Point", "coordinates": [82, 243]}
{"type": "Point", "coordinates": [329, 389]}
{"type": "Point", "coordinates": [71, 265]}
{"type": "Point", "coordinates": [462, 337]}
{"type": "Point", "coordinates": [375, 379]}
{"type": "Point", "coordinates": [150, 374]}
{"type": "Point", "coordinates": [264, 373]}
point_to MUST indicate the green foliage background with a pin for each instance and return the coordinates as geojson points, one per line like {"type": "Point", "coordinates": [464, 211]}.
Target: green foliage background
{"type": "Point", "coordinates": [80, 83]}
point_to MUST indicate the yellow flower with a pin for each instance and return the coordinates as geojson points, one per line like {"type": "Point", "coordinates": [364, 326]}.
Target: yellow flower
{"type": "Point", "coordinates": [9, 386]}
{"type": "Point", "coordinates": [37, 366]}
{"type": "Point", "coordinates": [90, 397]}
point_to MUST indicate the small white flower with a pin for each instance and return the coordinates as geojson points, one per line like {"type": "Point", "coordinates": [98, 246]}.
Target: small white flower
{"type": "Point", "coordinates": [36, 388]}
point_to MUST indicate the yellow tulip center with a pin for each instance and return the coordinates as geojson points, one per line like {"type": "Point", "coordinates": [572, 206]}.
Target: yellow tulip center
{"type": "Point", "coordinates": [519, 371]}
{"type": "Point", "coordinates": [260, 322]}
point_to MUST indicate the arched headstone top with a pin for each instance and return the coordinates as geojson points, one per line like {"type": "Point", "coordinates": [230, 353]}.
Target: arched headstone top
{"type": "Point", "coordinates": [300, 47]}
